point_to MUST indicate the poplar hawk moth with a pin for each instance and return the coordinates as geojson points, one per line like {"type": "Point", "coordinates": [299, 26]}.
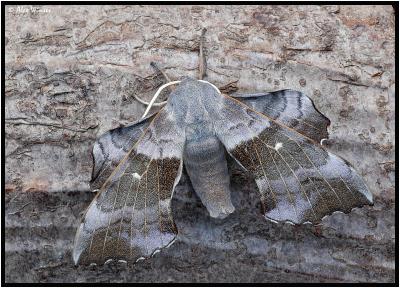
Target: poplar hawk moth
{"type": "Point", "coordinates": [274, 136]}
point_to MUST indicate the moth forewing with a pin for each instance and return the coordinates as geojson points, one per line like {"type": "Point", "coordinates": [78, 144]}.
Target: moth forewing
{"type": "Point", "coordinates": [130, 217]}
{"type": "Point", "coordinates": [298, 179]}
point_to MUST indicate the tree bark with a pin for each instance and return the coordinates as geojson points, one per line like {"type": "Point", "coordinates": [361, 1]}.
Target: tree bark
{"type": "Point", "coordinates": [71, 73]}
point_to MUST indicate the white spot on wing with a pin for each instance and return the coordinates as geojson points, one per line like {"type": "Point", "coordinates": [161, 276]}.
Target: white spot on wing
{"type": "Point", "coordinates": [136, 176]}
{"type": "Point", "coordinates": [278, 146]}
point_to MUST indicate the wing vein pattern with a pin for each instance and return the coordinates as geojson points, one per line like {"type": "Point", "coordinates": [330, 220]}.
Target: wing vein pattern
{"type": "Point", "coordinates": [130, 217]}
{"type": "Point", "coordinates": [291, 108]}
{"type": "Point", "coordinates": [291, 165]}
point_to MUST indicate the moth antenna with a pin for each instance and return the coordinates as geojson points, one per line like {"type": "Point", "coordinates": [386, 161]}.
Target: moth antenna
{"type": "Point", "coordinates": [156, 95]}
{"type": "Point", "coordinates": [215, 87]}
{"type": "Point", "coordinates": [152, 102]}
{"type": "Point", "coordinates": [167, 79]}
{"type": "Point", "coordinates": [147, 103]}
{"type": "Point", "coordinates": [202, 59]}
{"type": "Point", "coordinates": [162, 72]}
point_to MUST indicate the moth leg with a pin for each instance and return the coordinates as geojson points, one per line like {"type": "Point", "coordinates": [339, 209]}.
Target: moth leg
{"type": "Point", "coordinates": [159, 70]}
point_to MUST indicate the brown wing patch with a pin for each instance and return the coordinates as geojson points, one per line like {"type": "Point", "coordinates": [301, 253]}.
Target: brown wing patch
{"type": "Point", "coordinates": [298, 179]}
{"type": "Point", "coordinates": [111, 147]}
{"type": "Point", "coordinates": [131, 217]}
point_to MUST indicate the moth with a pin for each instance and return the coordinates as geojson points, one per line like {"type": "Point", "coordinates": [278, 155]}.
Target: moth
{"type": "Point", "coordinates": [274, 136]}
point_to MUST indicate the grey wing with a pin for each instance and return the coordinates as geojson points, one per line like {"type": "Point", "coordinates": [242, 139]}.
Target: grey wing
{"type": "Point", "coordinates": [111, 147]}
{"type": "Point", "coordinates": [291, 108]}
{"type": "Point", "coordinates": [298, 180]}
{"type": "Point", "coordinates": [131, 217]}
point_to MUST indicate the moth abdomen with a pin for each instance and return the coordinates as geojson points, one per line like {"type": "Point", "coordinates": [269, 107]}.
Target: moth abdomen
{"type": "Point", "coordinates": [207, 168]}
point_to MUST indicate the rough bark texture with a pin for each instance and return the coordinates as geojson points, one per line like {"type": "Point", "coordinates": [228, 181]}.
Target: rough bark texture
{"type": "Point", "coordinates": [72, 71]}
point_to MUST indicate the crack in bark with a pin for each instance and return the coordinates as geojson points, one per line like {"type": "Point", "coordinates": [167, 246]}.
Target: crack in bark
{"type": "Point", "coordinates": [55, 125]}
